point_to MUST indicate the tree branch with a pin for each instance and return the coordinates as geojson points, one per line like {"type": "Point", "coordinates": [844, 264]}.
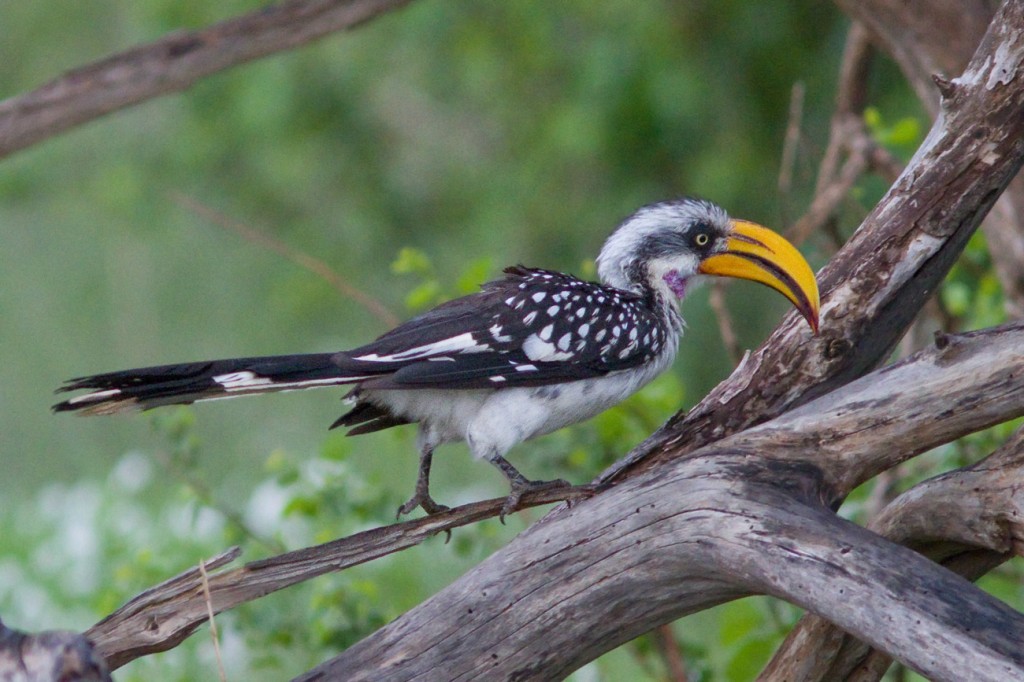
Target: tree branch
{"type": "Point", "coordinates": [877, 283]}
{"type": "Point", "coordinates": [728, 522]}
{"type": "Point", "coordinates": [967, 520]}
{"type": "Point", "coordinates": [644, 555]}
{"type": "Point", "coordinates": [924, 37]}
{"type": "Point", "coordinates": [942, 384]}
{"type": "Point", "coordinates": [165, 615]}
{"type": "Point", "coordinates": [930, 37]}
{"type": "Point", "coordinates": [318, 267]}
{"type": "Point", "coordinates": [173, 63]}
{"type": "Point", "coordinates": [689, 527]}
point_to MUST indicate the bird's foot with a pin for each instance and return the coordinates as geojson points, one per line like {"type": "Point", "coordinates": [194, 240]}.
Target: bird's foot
{"type": "Point", "coordinates": [421, 499]}
{"type": "Point", "coordinates": [523, 485]}
{"type": "Point", "coordinates": [422, 496]}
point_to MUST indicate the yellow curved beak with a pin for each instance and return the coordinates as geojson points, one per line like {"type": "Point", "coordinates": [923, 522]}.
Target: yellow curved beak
{"type": "Point", "coordinates": [756, 253]}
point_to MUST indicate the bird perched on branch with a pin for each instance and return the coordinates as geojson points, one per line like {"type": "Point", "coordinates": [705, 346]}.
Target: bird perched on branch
{"type": "Point", "coordinates": [526, 355]}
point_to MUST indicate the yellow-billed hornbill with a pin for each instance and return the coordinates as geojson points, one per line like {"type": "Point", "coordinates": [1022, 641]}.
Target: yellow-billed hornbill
{"type": "Point", "coordinates": [528, 354]}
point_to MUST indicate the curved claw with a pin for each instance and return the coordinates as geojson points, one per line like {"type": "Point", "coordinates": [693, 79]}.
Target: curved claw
{"type": "Point", "coordinates": [421, 499]}
{"type": "Point", "coordinates": [522, 486]}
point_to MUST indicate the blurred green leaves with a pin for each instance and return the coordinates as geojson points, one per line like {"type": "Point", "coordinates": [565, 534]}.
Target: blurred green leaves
{"type": "Point", "coordinates": [462, 137]}
{"type": "Point", "coordinates": [902, 135]}
{"type": "Point", "coordinates": [429, 290]}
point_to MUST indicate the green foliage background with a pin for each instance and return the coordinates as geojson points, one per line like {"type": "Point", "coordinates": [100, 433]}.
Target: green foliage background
{"type": "Point", "coordinates": [416, 156]}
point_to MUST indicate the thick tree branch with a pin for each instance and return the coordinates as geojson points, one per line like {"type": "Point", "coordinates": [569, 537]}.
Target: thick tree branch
{"type": "Point", "coordinates": [860, 416]}
{"type": "Point", "coordinates": [969, 520]}
{"type": "Point", "coordinates": [929, 37]}
{"type": "Point", "coordinates": [728, 522]}
{"type": "Point", "coordinates": [816, 649]}
{"type": "Point", "coordinates": [644, 554]}
{"type": "Point", "coordinates": [172, 64]}
{"type": "Point", "coordinates": [830, 432]}
{"type": "Point", "coordinates": [875, 286]}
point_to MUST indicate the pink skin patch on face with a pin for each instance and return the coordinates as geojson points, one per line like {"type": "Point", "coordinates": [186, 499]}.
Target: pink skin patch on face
{"type": "Point", "coordinates": [675, 282]}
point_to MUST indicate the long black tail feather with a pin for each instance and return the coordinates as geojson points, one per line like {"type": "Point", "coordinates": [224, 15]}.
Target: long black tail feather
{"type": "Point", "coordinates": [148, 387]}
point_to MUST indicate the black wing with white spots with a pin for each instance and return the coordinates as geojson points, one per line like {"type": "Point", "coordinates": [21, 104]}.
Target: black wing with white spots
{"type": "Point", "coordinates": [532, 328]}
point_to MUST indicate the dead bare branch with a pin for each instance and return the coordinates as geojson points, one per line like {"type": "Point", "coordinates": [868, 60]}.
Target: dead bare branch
{"type": "Point", "coordinates": [850, 99]}
{"type": "Point", "coordinates": [164, 616]}
{"type": "Point", "coordinates": [925, 37]}
{"type": "Point", "coordinates": [877, 283]}
{"type": "Point", "coordinates": [791, 143]}
{"type": "Point", "coordinates": [716, 299]}
{"type": "Point", "coordinates": [727, 522]}
{"type": "Point", "coordinates": [830, 197]}
{"type": "Point", "coordinates": [967, 520]}
{"type": "Point", "coordinates": [709, 531]}
{"type": "Point", "coordinates": [929, 39]}
{"type": "Point", "coordinates": [172, 64]}
{"type": "Point", "coordinates": [848, 137]}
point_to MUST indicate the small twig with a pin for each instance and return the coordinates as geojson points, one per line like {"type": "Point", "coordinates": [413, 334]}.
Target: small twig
{"type": "Point", "coordinates": [882, 493]}
{"type": "Point", "coordinates": [213, 622]}
{"type": "Point", "coordinates": [830, 196]}
{"type": "Point", "coordinates": [884, 163]}
{"type": "Point", "coordinates": [858, 54]}
{"type": "Point", "coordinates": [847, 137]}
{"type": "Point", "coordinates": [716, 299]}
{"type": "Point", "coordinates": [669, 649]}
{"type": "Point", "coordinates": [851, 90]}
{"type": "Point", "coordinates": [791, 143]}
{"type": "Point", "coordinates": [300, 258]}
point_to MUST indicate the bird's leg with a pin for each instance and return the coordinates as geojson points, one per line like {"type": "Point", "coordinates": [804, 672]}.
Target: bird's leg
{"type": "Point", "coordinates": [520, 484]}
{"type": "Point", "coordinates": [422, 496]}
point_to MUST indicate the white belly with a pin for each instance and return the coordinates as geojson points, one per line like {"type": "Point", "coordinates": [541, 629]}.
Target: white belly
{"type": "Point", "coordinates": [494, 421]}
{"type": "Point", "coordinates": [443, 415]}
{"type": "Point", "coordinates": [513, 415]}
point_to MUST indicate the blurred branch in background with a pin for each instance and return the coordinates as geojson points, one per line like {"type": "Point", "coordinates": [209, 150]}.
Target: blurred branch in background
{"type": "Point", "coordinates": [318, 267]}
{"type": "Point", "coordinates": [931, 41]}
{"type": "Point", "coordinates": [614, 98]}
{"type": "Point", "coordinates": [173, 63]}
{"type": "Point", "coordinates": [849, 138]}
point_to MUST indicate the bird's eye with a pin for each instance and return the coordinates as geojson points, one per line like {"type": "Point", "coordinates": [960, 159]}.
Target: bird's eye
{"type": "Point", "coordinates": [702, 239]}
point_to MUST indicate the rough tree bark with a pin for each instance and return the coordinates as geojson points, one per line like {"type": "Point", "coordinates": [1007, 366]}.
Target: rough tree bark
{"type": "Point", "coordinates": [694, 545]}
{"type": "Point", "coordinates": [49, 657]}
{"type": "Point", "coordinates": [816, 649]}
{"type": "Point", "coordinates": [937, 37]}
{"type": "Point", "coordinates": [736, 497]}
{"type": "Point", "coordinates": [728, 522]}
{"type": "Point", "coordinates": [967, 520]}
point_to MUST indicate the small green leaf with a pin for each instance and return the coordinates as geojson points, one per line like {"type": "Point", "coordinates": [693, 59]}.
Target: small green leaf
{"type": "Point", "coordinates": [302, 506]}
{"type": "Point", "coordinates": [423, 296]}
{"type": "Point", "coordinates": [478, 272]}
{"type": "Point", "coordinates": [957, 297]}
{"type": "Point", "coordinates": [411, 261]}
